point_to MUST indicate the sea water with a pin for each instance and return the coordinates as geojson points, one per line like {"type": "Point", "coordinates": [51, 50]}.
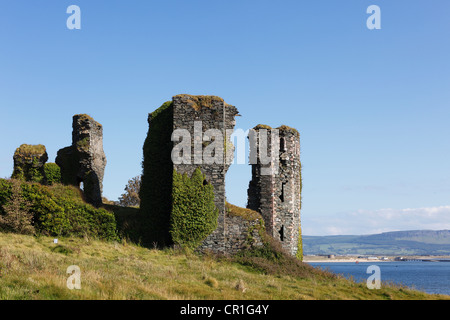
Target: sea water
{"type": "Point", "coordinates": [430, 277]}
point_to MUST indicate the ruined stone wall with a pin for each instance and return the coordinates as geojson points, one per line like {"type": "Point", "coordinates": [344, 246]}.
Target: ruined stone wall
{"type": "Point", "coordinates": [213, 113]}
{"type": "Point", "coordinates": [241, 233]}
{"type": "Point", "coordinates": [29, 161]}
{"type": "Point", "coordinates": [277, 196]}
{"type": "Point", "coordinates": [84, 161]}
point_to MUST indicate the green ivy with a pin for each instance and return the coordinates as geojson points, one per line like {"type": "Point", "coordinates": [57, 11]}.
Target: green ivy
{"type": "Point", "coordinates": [194, 214]}
{"type": "Point", "coordinates": [60, 211]}
{"type": "Point", "coordinates": [52, 173]}
{"type": "Point", "coordinates": [156, 187]}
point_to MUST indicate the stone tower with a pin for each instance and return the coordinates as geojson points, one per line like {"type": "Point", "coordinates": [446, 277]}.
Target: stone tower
{"type": "Point", "coordinates": [208, 115]}
{"type": "Point", "coordinates": [84, 161]}
{"type": "Point", "coordinates": [201, 122]}
{"type": "Point", "coordinates": [275, 188]}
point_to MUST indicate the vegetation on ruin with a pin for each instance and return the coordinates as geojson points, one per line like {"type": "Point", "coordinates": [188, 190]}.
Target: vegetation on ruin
{"type": "Point", "coordinates": [56, 210]}
{"type": "Point", "coordinates": [34, 267]}
{"type": "Point", "coordinates": [247, 214]}
{"type": "Point", "coordinates": [52, 173]}
{"type": "Point", "coordinates": [27, 151]}
{"type": "Point", "coordinates": [156, 183]}
{"type": "Point", "coordinates": [194, 214]}
{"type": "Point", "coordinates": [83, 144]}
{"type": "Point", "coordinates": [29, 172]}
{"type": "Point", "coordinates": [84, 117]}
{"type": "Point", "coordinates": [28, 162]}
{"type": "Point", "coordinates": [289, 129]}
{"type": "Point", "coordinates": [262, 126]}
{"type": "Point", "coordinates": [198, 102]}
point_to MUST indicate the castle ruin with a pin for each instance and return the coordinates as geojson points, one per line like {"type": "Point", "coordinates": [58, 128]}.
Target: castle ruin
{"type": "Point", "coordinates": [84, 161]}
{"type": "Point", "coordinates": [274, 195]}
{"type": "Point", "coordinates": [275, 187]}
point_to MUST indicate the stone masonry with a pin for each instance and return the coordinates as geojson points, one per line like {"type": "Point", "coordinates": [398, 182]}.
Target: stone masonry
{"type": "Point", "coordinates": [273, 196]}
{"type": "Point", "coordinates": [208, 112]}
{"type": "Point", "coordinates": [277, 196]}
{"type": "Point", "coordinates": [84, 161]}
{"type": "Point", "coordinates": [29, 161]}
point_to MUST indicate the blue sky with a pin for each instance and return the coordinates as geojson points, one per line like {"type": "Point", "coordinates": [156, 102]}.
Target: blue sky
{"type": "Point", "coordinates": [372, 106]}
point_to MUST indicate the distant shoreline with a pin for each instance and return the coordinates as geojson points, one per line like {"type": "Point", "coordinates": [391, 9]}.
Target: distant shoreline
{"type": "Point", "coordinates": [377, 259]}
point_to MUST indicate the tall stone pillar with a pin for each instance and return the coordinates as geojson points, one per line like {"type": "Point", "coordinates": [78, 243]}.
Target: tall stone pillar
{"type": "Point", "coordinates": [275, 188]}
{"type": "Point", "coordinates": [84, 161]}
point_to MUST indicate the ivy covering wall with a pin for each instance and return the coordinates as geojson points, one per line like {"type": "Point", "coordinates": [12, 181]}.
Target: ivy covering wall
{"type": "Point", "coordinates": [61, 211]}
{"type": "Point", "coordinates": [156, 188]}
{"type": "Point", "coordinates": [194, 214]}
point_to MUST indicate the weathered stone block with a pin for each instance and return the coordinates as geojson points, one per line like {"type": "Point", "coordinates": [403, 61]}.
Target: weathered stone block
{"type": "Point", "coordinates": [278, 196]}
{"type": "Point", "coordinates": [84, 161]}
{"type": "Point", "coordinates": [29, 162]}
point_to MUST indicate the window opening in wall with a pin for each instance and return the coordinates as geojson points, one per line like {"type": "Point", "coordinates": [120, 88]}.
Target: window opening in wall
{"type": "Point", "coordinates": [282, 192]}
{"type": "Point", "coordinates": [281, 232]}
{"type": "Point", "coordinates": [282, 145]}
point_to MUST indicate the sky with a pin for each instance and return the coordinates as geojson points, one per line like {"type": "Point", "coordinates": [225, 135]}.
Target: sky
{"type": "Point", "coordinates": [372, 106]}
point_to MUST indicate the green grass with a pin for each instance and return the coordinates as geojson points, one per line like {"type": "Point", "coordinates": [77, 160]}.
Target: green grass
{"type": "Point", "coordinates": [35, 268]}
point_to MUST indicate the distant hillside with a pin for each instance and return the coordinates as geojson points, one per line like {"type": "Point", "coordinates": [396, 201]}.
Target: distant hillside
{"type": "Point", "coordinates": [416, 242]}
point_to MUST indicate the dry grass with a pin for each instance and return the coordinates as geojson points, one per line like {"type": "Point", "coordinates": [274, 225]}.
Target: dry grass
{"type": "Point", "coordinates": [35, 268]}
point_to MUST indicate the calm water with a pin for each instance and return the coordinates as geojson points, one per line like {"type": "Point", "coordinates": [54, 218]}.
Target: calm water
{"type": "Point", "coordinates": [431, 277]}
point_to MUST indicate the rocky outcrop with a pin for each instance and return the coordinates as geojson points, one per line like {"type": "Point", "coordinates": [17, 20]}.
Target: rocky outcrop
{"type": "Point", "coordinates": [29, 162]}
{"type": "Point", "coordinates": [84, 161]}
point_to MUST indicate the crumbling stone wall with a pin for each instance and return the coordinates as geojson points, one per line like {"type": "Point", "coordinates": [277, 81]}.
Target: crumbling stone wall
{"type": "Point", "coordinates": [213, 113]}
{"type": "Point", "coordinates": [277, 196]}
{"type": "Point", "coordinates": [29, 161]}
{"type": "Point", "coordinates": [197, 116]}
{"type": "Point", "coordinates": [244, 229]}
{"type": "Point", "coordinates": [84, 161]}
{"type": "Point", "coordinates": [274, 191]}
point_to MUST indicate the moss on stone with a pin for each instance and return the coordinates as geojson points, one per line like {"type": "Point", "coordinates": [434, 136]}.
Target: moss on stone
{"type": "Point", "coordinates": [157, 178]}
{"type": "Point", "coordinates": [28, 162]}
{"type": "Point", "coordinates": [289, 129]}
{"type": "Point", "coordinates": [262, 126]}
{"type": "Point", "coordinates": [198, 102]}
{"type": "Point", "coordinates": [245, 213]}
{"type": "Point", "coordinates": [28, 150]}
{"type": "Point", "coordinates": [86, 118]}
{"type": "Point", "coordinates": [83, 144]}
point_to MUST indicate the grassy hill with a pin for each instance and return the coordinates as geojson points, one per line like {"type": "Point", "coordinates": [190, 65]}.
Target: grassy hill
{"type": "Point", "coordinates": [35, 268]}
{"type": "Point", "coordinates": [416, 242]}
